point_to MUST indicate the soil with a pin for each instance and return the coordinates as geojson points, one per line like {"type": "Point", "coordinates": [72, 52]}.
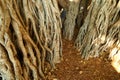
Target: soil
{"type": "Point", "coordinates": [73, 67]}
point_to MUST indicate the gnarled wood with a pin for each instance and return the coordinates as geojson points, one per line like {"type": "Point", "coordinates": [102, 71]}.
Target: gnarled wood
{"type": "Point", "coordinates": [30, 35]}
{"type": "Point", "coordinates": [100, 30]}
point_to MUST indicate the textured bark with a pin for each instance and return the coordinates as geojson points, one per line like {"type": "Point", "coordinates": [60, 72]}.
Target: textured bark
{"type": "Point", "coordinates": [101, 29]}
{"type": "Point", "coordinates": [29, 37]}
{"type": "Point", "coordinates": [70, 21]}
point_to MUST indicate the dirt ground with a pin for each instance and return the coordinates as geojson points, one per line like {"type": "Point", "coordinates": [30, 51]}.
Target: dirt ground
{"type": "Point", "coordinates": [72, 67]}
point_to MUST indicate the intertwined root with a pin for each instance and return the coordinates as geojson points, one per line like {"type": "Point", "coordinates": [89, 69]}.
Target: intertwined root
{"type": "Point", "coordinates": [29, 35]}
{"type": "Point", "coordinates": [101, 28]}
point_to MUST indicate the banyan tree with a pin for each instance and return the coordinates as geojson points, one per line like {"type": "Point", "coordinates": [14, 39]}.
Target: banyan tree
{"type": "Point", "coordinates": [100, 32]}
{"type": "Point", "coordinates": [98, 22]}
{"type": "Point", "coordinates": [30, 34]}
{"type": "Point", "coordinates": [30, 38]}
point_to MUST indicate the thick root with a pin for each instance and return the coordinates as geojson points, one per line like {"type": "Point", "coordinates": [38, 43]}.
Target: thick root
{"type": "Point", "coordinates": [29, 32]}
{"type": "Point", "coordinates": [100, 30]}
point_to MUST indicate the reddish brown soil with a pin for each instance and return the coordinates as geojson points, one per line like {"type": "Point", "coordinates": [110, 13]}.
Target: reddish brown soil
{"type": "Point", "coordinates": [74, 68]}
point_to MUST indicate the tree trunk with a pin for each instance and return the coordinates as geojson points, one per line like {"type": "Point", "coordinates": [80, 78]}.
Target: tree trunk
{"type": "Point", "coordinates": [70, 21]}
{"type": "Point", "coordinates": [101, 30]}
{"type": "Point", "coordinates": [82, 13]}
{"type": "Point", "coordinates": [30, 36]}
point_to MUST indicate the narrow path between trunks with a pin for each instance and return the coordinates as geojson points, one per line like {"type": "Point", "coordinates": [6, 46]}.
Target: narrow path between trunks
{"type": "Point", "coordinates": [74, 68]}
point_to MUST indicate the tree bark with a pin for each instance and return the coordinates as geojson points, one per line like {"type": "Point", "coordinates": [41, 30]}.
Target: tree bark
{"type": "Point", "coordinates": [101, 29]}
{"type": "Point", "coordinates": [70, 21]}
{"type": "Point", "coordinates": [30, 36]}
